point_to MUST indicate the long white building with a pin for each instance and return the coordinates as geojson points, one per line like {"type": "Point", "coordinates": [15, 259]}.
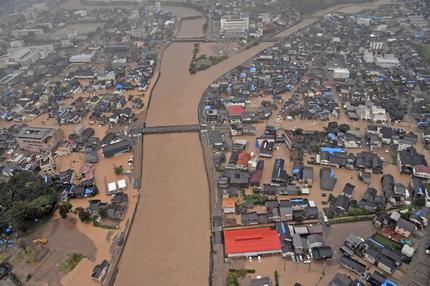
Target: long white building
{"type": "Point", "coordinates": [234, 26]}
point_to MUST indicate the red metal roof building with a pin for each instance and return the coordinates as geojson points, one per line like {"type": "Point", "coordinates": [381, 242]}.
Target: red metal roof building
{"type": "Point", "coordinates": [235, 109]}
{"type": "Point", "coordinates": [251, 242]}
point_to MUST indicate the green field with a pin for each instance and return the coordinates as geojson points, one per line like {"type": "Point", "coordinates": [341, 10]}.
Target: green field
{"type": "Point", "coordinates": [387, 242]}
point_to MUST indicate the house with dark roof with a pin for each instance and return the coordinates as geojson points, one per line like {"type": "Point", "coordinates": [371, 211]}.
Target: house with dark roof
{"type": "Point", "coordinates": [410, 158]}
{"type": "Point", "coordinates": [386, 264]}
{"type": "Point", "coordinates": [387, 182]}
{"type": "Point", "coordinates": [348, 189]}
{"type": "Point", "coordinates": [308, 175]}
{"type": "Point", "coordinates": [341, 204]}
{"type": "Point", "coordinates": [404, 227]}
{"type": "Point", "coordinates": [371, 254]}
{"type": "Point", "coordinates": [417, 188]}
{"type": "Point", "coordinates": [116, 212]}
{"type": "Point", "coordinates": [263, 281]}
{"type": "Point", "coordinates": [353, 265]}
{"type": "Point", "coordinates": [340, 279]}
{"type": "Point", "coordinates": [117, 148]}
{"type": "Point", "coordinates": [323, 252]}
{"type": "Point", "coordinates": [327, 179]}
{"type": "Point", "coordinates": [376, 278]}
{"type": "Point", "coordinates": [100, 270]}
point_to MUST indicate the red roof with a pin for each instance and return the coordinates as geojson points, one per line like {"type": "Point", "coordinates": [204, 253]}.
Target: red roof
{"type": "Point", "coordinates": [251, 240]}
{"type": "Point", "coordinates": [243, 159]}
{"type": "Point", "coordinates": [235, 109]}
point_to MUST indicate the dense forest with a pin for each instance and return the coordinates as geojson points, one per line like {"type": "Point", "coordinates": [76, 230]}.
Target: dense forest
{"type": "Point", "coordinates": [25, 199]}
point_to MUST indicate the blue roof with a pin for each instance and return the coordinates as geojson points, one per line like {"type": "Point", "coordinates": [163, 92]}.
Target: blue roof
{"type": "Point", "coordinates": [332, 150]}
{"type": "Point", "coordinates": [332, 136]}
{"type": "Point", "coordinates": [283, 228]}
{"type": "Point", "coordinates": [388, 282]}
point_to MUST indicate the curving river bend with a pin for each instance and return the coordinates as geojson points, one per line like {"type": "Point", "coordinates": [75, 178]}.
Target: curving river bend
{"type": "Point", "coordinates": [168, 243]}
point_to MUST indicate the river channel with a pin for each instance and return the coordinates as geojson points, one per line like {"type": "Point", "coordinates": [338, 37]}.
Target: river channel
{"type": "Point", "coordinates": [168, 243]}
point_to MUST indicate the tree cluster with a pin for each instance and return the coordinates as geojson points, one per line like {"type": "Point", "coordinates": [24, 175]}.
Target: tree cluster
{"type": "Point", "coordinates": [24, 200]}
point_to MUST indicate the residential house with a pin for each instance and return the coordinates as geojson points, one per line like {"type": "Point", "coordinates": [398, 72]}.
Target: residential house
{"type": "Point", "coordinates": [353, 265]}
{"type": "Point", "coordinates": [229, 206]}
{"type": "Point", "coordinates": [340, 279]}
{"type": "Point", "coordinates": [116, 212]}
{"type": "Point", "coordinates": [386, 264]}
{"type": "Point", "coordinates": [327, 179]}
{"type": "Point", "coordinates": [422, 171]}
{"type": "Point", "coordinates": [100, 270]}
{"type": "Point", "coordinates": [404, 227]}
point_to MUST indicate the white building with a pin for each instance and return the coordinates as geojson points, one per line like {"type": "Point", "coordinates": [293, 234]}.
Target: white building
{"type": "Point", "coordinates": [364, 112]}
{"type": "Point", "coordinates": [387, 61]}
{"type": "Point", "coordinates": [234, 26]}
{"type": "Point", "coordinates": [138, 32]}
{"type": "Point", "coordinates": [376, 45]}
{"type": "Point", "coordinates": [341, 73]}
{"type": "Point", "coordinates": [368, 57]}
{"type": "Point", "coordinates": [27, 32]}
{"type": "Point", "coordinates": [81, 58]}
{"type": "Point", "coordinates": [24, 56]}
{"type": "Point", "coordinates": [17, 44]}
{"type": "Point", "coordinates": [379, 115]}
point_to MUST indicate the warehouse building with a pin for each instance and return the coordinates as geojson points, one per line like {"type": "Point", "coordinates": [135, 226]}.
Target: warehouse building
{"type": "Point", "coordinates": [251, 242]}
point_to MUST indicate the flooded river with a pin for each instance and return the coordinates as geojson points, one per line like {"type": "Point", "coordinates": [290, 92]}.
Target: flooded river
{"type": "Point", "coordinates": [169, 241]}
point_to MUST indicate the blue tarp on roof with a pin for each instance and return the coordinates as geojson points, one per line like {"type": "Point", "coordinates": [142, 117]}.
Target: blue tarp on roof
{"type": "Point", "coordinates": [332, 136]}
{"type": "Point", "coordinates": [283, 228]}
{"type": "Point", "coordinates": [388, 282]}
{"type": "Point", "coordinates": [296, 170]}
{"type": "Point", "coordinates": [119, 86]}
{"type": "Point", "coordinates": [332, 150]}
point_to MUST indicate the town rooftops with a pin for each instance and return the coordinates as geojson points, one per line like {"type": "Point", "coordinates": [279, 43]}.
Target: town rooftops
{"type": "Point", "coordinates": [251, 241]}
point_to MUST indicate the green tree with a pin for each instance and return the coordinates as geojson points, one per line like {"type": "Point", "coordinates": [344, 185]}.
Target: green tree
{"type": "Point", "coordinates": [118, 169]}
{"type": "Point", "coordinates": [298, 131]}
{"type": "Point", "coordinates": [344, 128]}
{"type": "Point", "coordinates": [331, 197]}
{"type": "Point", "coordinates": [83, 215]}
{"type": "Point", "coordinates": [232, 279]}
{"type": "Point", "coordinates": [102, 212]}
{"type": "Point", "coordinates": [420, 201]}
{"type": "Point", "coordinates": [64, 209]}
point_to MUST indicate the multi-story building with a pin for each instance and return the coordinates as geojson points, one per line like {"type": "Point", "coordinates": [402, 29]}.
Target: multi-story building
{"type": "Point", "coordinates": [387, 61]}
{"type": "Point", "coordinates": [38, 139]}
{"type": "Point", "coordinates": [234, 26]}
{"type": "Point", "coordinates": [47, 164]}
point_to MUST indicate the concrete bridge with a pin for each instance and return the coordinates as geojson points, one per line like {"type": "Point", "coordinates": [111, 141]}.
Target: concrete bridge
{"type": "Point", "coordinates": [192, 40]}
{"type": "Point", "coordinates": [170, 129]}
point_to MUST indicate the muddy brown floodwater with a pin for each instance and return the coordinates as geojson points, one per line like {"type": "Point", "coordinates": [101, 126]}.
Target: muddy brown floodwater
{"type": "Point", "coordinates": [168, 243]}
